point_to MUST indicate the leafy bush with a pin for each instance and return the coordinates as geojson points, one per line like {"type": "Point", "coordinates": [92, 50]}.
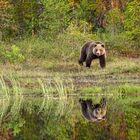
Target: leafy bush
{"type": "Point", "coordinates": [64, 47]}
{"type": "Point", "coordinates": [132, 23]}
{"type": "Point", "coordinates": [14, 55]}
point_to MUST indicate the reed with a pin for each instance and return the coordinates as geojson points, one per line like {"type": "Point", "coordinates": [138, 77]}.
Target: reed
{"type": "Point", "coordinates": [11, 97]}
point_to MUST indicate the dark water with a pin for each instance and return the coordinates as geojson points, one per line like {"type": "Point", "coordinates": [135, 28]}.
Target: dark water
{"type": "Point", "coordinates": [62, 119]}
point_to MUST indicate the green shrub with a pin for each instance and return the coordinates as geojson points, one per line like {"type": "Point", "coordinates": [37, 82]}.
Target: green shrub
{"type": "Point", "coordinates": [63, 47]}
{"type": "Point", "coordinates": [14, 55]}
{"type": "Point", "coordinates": [132, 23]}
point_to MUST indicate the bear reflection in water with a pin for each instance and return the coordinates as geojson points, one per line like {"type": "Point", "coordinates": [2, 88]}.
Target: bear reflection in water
{"type": "Point", "coordinates": [93, 112]}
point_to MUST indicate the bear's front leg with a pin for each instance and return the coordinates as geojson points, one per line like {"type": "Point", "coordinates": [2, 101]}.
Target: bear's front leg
{"type": "Point", "coordinates": [102, 61]}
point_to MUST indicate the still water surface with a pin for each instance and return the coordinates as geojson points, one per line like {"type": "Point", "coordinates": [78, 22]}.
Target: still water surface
{"type": "Point", "coordinates": [36, 118]}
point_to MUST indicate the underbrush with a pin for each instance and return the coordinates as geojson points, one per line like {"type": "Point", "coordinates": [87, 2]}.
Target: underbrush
{"type": "Point", "coordinates": [62, 48]}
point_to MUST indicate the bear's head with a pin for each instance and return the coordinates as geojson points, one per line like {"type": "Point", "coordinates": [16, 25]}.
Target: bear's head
{"type": "Point", "coordinates": [99, 49]}
{"type": "Point", "coordinates": [99, 112]}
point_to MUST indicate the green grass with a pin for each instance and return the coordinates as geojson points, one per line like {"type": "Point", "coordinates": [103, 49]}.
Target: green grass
{"type": "Point", "coordinates": [112, 90]}
{"type": "Point", "coordinates": [129, 89]}
{"type": "Point", "coordinates": [46, 68]}
{"type": "Point", "coordinates": [10, 96]}
{"type": "Point", "coordinates": [91, 90]}
{"type": "Point", "coordinates": [66, 76]}
{"type": "Point", "coordinates": [13, 96]}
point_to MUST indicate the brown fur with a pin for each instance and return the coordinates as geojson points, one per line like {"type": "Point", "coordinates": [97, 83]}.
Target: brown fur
{"type": "Point", "coordinates": [93, 112]}
{"type": "Point", "coordinates": [93, 50]}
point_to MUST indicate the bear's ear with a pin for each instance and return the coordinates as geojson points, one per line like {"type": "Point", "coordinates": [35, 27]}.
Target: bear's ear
{"type": "Point", "coordinates": [103, 45]}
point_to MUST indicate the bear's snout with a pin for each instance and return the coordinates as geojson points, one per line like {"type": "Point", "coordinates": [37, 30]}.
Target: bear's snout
{"type": "Point", "coordinates": [98, 53]}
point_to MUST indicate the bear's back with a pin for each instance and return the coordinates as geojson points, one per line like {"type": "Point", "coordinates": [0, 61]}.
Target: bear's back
{"type": "Point", "coordinates": [87, 46]}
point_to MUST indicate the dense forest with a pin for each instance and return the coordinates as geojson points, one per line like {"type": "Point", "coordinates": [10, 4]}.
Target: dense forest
{"type": "Point", "coordinates": [71, 22]}
{"type": "Point", "coordinates": [41, 81]}
{"type": "Point", "coordinates": [47, 17]}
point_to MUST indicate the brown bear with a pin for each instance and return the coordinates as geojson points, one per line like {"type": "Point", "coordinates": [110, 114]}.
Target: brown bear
{"type": "Point", "coordinates": [93, 50]}
{"type": "Point", "coordinates": [93, 112]}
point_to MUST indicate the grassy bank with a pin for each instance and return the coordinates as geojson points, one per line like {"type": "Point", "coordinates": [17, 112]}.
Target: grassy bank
{"type": "Point", "coordinates": [34, 59]}
{"type": "Point", "coordinates": [61, 49]}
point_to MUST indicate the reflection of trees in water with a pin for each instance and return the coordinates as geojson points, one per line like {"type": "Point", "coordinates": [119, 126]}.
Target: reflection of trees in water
{"type": "Point", "coordinates": [50, 122]}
